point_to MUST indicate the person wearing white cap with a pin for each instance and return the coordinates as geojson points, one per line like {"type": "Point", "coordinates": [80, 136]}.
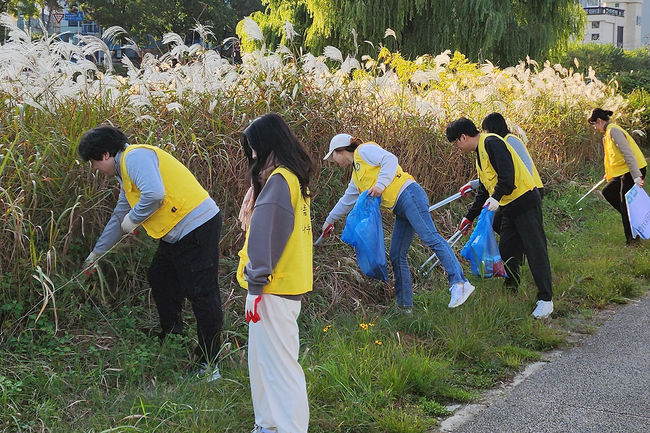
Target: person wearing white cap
{"type": "Point", "coordinates": [377, 171]}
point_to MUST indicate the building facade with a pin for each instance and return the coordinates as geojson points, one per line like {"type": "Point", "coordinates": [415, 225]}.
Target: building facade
{"type": "Point", "coordinates": [65, 23]}
{"type": "Point", "coordinates": [617, 23]}
{"type": "Point", "coordinates": [645, 23]}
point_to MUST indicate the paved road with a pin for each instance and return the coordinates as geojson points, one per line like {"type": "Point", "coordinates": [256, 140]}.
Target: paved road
{"type": "Point", "coordinates": [600, 386]}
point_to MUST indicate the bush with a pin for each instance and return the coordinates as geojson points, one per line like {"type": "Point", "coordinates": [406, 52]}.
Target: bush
{"type": "Point", "coordinates": [630, 68]}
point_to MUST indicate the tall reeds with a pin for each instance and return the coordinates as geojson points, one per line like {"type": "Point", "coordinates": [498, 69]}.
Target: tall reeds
{"type": "Point", "coordinates": [195, 104]}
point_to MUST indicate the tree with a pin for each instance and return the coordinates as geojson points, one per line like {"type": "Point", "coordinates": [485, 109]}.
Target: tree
{"type": "Point", "coordinates": [142, 18]}
{"type": "Point", "coordinates": [44, 8]}
{"type": "Point", "coordinates": [503, 31]}
{"type": "Point", "coordinates": [244, 8]}
{"type": "Point", "coordinates": [4, 5]}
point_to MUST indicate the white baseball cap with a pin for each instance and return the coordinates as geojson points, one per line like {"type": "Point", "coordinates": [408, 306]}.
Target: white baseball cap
{"type": "Point", "coordinates": [337, 142]}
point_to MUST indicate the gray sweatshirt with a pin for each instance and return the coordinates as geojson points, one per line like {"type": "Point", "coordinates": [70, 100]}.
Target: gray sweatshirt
{"type": "Point", "coordinates": [519, 147]}
{"type": "Point", "coordinates": [375, 156]}
{"type": "Point", "coordinates": [271, 226]}
{"type": "Point", "coordinates": [628, 154]}
{"type": "Point", "coordinates": [142, 166]}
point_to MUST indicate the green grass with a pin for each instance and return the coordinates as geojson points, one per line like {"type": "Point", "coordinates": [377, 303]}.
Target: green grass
{"type": "Point", "coordinates": [368, 368]}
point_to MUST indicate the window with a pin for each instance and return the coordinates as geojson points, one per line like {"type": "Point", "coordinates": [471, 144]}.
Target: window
{"type": "Point", "coordinates": [617, 5]}
{"type": "Point", "coordinates": [595, 24]}
{"type": "Point", "coordinates": [91, 27]}
{"type": "Point", "coordinates": [638, 20]}
{"type": "Point", "coordinates": [595, 37]}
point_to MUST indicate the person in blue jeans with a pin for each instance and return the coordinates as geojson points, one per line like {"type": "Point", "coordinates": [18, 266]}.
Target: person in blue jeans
{"type": "Point", "coordinates": [377, 171]}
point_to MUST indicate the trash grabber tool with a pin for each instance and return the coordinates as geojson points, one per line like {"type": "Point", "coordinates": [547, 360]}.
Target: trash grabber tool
{"type": "Point", "coordinates": [464, 190]}
{"type": "Point", "coordinates": [326, 233]}
{"type": "Point", "coordinates": [592, 190]}
{"type": "Point", "coordinates": [445, 201]}
{"type": "Point", "coordinates": [451, 241]}
{"type": "Point", "coordinates": [79, 274]}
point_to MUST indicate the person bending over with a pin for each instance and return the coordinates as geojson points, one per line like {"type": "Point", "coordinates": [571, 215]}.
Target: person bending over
{"type": "Point", "coordinates": [506, 184]}
{"type": "Point", "coordinates": [162, 195]}
{"type": "Point", "coordinates": [378, 171]}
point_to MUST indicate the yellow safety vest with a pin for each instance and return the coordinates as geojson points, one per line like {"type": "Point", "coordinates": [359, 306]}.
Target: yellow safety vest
{"type": "Point", "coordinates": [536, 179]}
{"type": "Point", "coordinates": [615, 164]}
{"type": "Point", "coordinates": [365, 177]}
{"type": "Point", "coordinates": [183, 192]}
{"type": "Point", "coordinates": [488, 175]}
{"type": "Point", "coordinates": [293, 274]}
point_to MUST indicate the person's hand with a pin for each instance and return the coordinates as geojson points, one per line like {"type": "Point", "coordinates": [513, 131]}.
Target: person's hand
{"type": "Point", "coordinates": [128, 226]}
{"type": "Point", "coordinates": [465, 226]}
{"type": "Point", "coordinates": [328, 229]}
{"type": "Point", "coordinates": [375, 191]}
{"type": "Point", "coordinates": [251, 308]}
{"type": "Point", "coordinates": [491, 203]}
{"type": "Point", "coordinates": [465, 189]}
{"type": "Point", "coordinates": [89, 265]}
{"type": "Point", "coordinates": [638, 181]}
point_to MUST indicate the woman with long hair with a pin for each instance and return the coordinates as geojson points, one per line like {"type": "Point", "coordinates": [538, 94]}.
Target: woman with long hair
{"type": "Point", "coordinates": [276, 268]}
{"type": "Point", "coordinates": [377, 171]}
{"type": "Point", "coordinates": [625, 164]}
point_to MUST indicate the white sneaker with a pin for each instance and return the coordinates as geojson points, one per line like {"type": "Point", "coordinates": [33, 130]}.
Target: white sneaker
{"type": "Point", "coordinates": [259, 429]}
{"type": "Point", "coordinates": [543, 309]}
{"type": "Point", "coordinates": [459, 293]}
{"type": "Point", "coordinates": [208, 373]}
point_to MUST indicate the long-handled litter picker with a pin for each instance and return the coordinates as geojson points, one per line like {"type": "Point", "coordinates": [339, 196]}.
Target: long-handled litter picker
{"type": "Point", "coordinates": [85, 271]}
{"type": "Point", "coordinates": [451, 241]}
{"type": "Point", "coordinates": [591, 190]}
{"type": "Point", "coordinates": [469, 186]}
{"type": "Point", "coordinates": [445, 201]}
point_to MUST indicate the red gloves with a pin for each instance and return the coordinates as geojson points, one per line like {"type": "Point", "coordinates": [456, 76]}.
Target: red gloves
{"type": "Point", "coordinates": [251, 308]}
{"type": "Point", "coordinates": [465, 226]}
{"type": "Point", "coordinates": [465, 189]}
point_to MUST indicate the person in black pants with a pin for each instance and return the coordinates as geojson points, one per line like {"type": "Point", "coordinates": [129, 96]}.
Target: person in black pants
{"type": "Point", "coordinates": [496, 124]}
{"type": "Point", "coordinates": [189, 269]}
{"type": "Point", "coordinates": [625, 164]}
{"type": "Point", "coordinates": [506, 184]}
{"type": "Point", "coordinates": [161, 194]}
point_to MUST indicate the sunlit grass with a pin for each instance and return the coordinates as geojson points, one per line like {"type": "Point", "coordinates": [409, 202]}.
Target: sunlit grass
{"type": "Point", "coordinates": [370, 370]}
{"type": "Point", "coordinates": [104, 369]}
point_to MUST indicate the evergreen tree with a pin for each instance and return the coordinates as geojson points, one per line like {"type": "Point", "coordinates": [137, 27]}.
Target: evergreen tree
{"type": "Point", "coordinates": [502, 31]}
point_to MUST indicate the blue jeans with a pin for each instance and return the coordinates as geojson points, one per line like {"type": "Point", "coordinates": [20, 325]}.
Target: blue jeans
{"type": "Point", "coordinates": [412, 216]}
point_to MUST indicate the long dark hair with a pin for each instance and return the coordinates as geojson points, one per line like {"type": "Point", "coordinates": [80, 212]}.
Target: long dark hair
{"type": "Point", "coordinates": [270, 135]}
{"type": "Point", "coordinates": [496, 124]}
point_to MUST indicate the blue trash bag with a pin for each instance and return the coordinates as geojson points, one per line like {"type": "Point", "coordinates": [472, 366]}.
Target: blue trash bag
{"type": "Point", "coordinates": [482, 250]}
{"type": "Point", "coordinates": [364, 231]}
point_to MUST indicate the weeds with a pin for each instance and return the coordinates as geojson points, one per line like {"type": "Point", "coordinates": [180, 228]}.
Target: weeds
{"type": "Point", "coordinates": [373, 370]}
{"type": "Point", "coordinates": [97, 365]}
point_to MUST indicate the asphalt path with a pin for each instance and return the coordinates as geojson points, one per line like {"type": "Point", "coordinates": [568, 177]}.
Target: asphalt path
{"type": "Point", "coordinates": [601, 385]}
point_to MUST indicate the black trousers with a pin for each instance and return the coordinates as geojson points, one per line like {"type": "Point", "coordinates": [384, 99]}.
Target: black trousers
{"type": "Point", "coordinates": [614, 193]}
{"type": "Point", "coordinates": [496, 224]}
{"type": "Point", "coordinates": [523, 232]}
{"type": "Point", "coordinates": [189, 269]}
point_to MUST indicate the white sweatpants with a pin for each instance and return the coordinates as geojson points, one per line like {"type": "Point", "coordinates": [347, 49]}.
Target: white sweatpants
{"type": "Point", "coordinates": [278, 386]}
